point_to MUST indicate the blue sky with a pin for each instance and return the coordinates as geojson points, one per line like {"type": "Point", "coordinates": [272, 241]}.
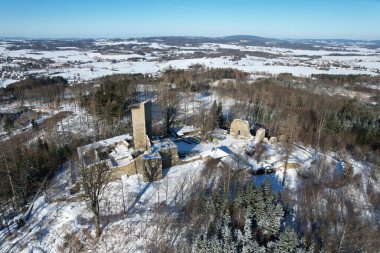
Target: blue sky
{"type": "Point", "coordinates": [349, 19]}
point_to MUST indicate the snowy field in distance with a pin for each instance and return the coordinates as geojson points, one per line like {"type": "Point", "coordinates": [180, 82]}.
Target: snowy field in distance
{"type": "Point", "coordinates": [107, 57]}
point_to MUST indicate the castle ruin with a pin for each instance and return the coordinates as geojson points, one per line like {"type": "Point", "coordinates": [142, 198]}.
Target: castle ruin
{"type": "Point", "coordinates": [240, 128]}
{"type": "Point", "coordinates": [142, 124]}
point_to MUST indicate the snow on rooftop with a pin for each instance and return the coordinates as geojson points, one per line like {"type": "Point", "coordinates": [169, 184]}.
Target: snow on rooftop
{"type": "Point", "coordinates": [163, 144]}
{"type": "Point", "coordinates": [215, 153]}
{"type": "Point", "coordinates": [120, 152]}
{"type": "Point", "coordinates": [151, 155]}
{"type": "Point", "coordinates": [181, 131]}
{"type": "Point", "coordinates": [109, 141]}
{"type": "Point", "coordinates": [192, 147]}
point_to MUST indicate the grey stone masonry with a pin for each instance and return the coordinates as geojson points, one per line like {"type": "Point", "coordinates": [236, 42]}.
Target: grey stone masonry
{"type": "Point", "coordinates": [142, 124]}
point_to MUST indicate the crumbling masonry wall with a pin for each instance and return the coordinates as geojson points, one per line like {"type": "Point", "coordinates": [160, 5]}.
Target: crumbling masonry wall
{"type": "Point", "coordinates": [132, 168]}
{"type": "Point", "coordinates": [240, 128]}
{"type": "Point", "coordinates": [140, 166]}
{"type": "Point", "coordinates": [169, 157]}
{"type": "Point", "coordinates": [152, 169]}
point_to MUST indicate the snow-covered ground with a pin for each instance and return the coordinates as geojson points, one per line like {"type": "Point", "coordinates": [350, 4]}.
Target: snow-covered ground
{"type": "Point", "coordinates": [78, 64]}
{"type": "Point", "coordinates": [132, 210]}
{"type": "Point", "coordinates": [131, 200]}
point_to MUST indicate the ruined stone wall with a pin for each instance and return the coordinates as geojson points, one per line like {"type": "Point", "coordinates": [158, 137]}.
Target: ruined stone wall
{"type": "Point", "coordinates": [260, 135]}
{"type": "Point", "coordinates": [169, 157]}
{"type": "Point", "coordinates": [240, 128]}
{"type": "Point", "coordinates": [152, 169]}
{"type": "Point", "coordinates": [273, 140]}
{"type": "Point", "coordinates": [133, 168]}
{"type": "Point", "coordinates": [124, 143]}
{"type": "Point", "coordinates": [141, 166]}
{"type": "Point", "coordinates": [293, 165]}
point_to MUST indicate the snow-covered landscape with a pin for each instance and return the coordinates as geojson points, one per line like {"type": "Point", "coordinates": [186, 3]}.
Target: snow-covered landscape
{"type": "Point", "coordinates": [97, 58]}
{"type": "Point", "coordinates": [133, 209]}
{"type": "Point", "coordinates": [190, 126]}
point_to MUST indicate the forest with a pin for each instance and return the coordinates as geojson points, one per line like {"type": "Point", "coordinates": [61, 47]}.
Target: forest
{"type": "Point", "coordinates": [33, 88]}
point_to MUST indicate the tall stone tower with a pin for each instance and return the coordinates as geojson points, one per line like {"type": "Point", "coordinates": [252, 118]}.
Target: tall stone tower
{"type": "Point", "coordinates": [142, 124]}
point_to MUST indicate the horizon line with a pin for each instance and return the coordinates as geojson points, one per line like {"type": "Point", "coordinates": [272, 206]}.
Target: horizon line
{"type": "Point", "coordinates": [168, 36]}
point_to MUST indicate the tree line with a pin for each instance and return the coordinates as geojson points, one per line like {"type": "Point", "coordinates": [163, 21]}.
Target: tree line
{"type": "Point", "coordinates": [36, 88]}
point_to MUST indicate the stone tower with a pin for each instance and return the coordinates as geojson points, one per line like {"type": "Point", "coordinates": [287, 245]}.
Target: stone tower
{"type": "Point", "coordinates": [142, 124]}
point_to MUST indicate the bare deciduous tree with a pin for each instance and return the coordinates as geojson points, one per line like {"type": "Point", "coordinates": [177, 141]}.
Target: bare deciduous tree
{"type": "Point", "coordinates": [5, 219]}
{"type": "Point", "coordinates": [94, 181]}
{"type": "Point", "coordinates": [169, 101]}
{"type": "Point", "coordinates": [290, 130]}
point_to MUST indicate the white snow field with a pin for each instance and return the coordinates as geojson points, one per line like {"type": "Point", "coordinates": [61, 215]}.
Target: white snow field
{"type": "Point", "coordinates": [81, 64]}
{"type": "Point", "coordinates": [132, 211]}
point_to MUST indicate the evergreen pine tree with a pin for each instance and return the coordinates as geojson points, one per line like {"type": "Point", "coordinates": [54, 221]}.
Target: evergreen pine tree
{"type": "Point", "coordinates": [303, 248]}
{"type": "Point", "coordinates": [259, 207]}
{"type": "Point", "coordinates": [214, 114]}
{"type": "Point", "coordinates": [214, 245]}
{"type": "Point", "coordinates": [267, 192]}
{"type": "Point", "coordinates": [247, 240]}
{"type": "Point", "coordinates": [239, 199]}
{"type": "Point", "coordinates": [275, 217]}
{"type": "Point", "coordinates": [256, 248]}
{"type": "Point", "coordinates": [220, 116]}
{"type": "Point", "coordinates": [182, 247]}
{"type": "Point", "coordinates": [287, 242]}
{"type": "Point", "coordinates": [217, 200]}
{"type": "Point", "coordinates": [203, 203]}
{"type": "Point", "coordinates": [200, 245]}
{"type": "Point", "coordinates": [268, 214]}
{"type": "Point", "coordinates": [197, 244]}
{"type": "Point", "coordinates": [228, 243]}
{"type": "Point", "coordinates": [250, 195]}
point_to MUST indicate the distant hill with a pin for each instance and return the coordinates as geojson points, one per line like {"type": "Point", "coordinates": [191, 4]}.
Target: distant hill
{"type": "Point", "coordinates": [248, 37]}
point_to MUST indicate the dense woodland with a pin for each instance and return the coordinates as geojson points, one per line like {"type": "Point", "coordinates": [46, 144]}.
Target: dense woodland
{"type": "Point", "coordinates": [36, 89]}
{"type": "Point", "coordinates": [230, 214]}
{"type": "Point", "coordinates": [112, 97]}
